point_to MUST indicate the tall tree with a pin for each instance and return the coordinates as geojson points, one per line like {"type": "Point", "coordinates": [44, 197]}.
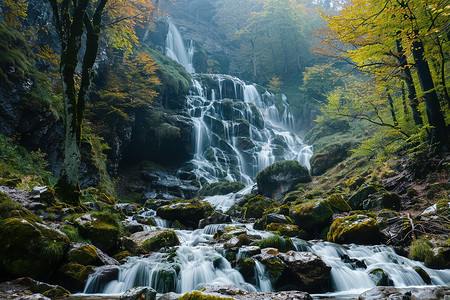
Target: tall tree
{"type": "Point", "coordinates": [73, 20]}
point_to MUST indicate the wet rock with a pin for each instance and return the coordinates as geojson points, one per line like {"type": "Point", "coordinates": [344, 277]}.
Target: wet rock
{"type": "Point", "coordinates": [423, 274]}
{"type": "Point", "coordinates": [246, 266]}
{"type": "Point", "coordinates": [353, 262]}
{"type": "Point", "coordinates": [156, 203]}
{"type": "Point", "coordinates": [280, 178]}
{"type": "Point", "coordinates": [382, 201]}
{"type": "Point", "coordinates": [37, 206]}
{"type": "Point", "coordinates": [30, 248]}
{"type": "Point", "coordinates": [215, 218]}
{"type": "Point", "coordinates": [188, 213]}
{"type": "Point", "coordinates": [271, 218]}
{"type": "Point", "coordinates": [101, 229]}
{"type": "Point", "coordinates": [289, 230]}
{"type": "Point", "coordinates": [423, 293]}
{"type": "Point", "coordinates": [256, 206]}
{"type": "Point", "coordinates": [133, 227]}
{"type": "Point", "coordinates": [28, 288]}
{"type": "Point", "coordinates": [380, 277]}
{"type": "Point", "coordinates": [85, 254]}
{"type": "Point", "coordinates": [146, 241]}
{"type": "Point", "coordinates": [128, 208]}
{"type": "Point", "coordinates": [74, 276]}
{"type": "Point", "coordinates": [357, 228]}
{"type": "Point", "coordinates": [310, 271]}
{"type": "Point", "coordinates": [221, 188]}
{"type": "Point", "coordinates": [103, 276]}
{"type": "Point", "coordinates": [235, 293]}
{"type": "Point", "coordinates": [139, 293]}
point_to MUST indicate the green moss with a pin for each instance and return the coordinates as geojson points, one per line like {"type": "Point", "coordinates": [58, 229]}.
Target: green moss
{"type": "Point", "coordinates": [72, 233]}
{"type": "Point", "coordinates": [56, 293]}
{"type": "Point", "coordinates": [246, 266]}
{"type": "Point", "coordinates": [167, 238]}
{"type": "Point", "coordinates": [221, 188]}
{"type": "Point", "coordinates": [380, 277]}
{"type": "Point", "coordinates": [30, 249]}
{"type": "Point", "coordinates": [196, 295]}
{"type": "Point", "coordinates": [311, 216]}
{"type": "Point", "coordinates": [337, 203]}
{"type": "Point", "coordinates": [357, 228]}
{"type": "Point", "coordinates": [256, 206]}
{"type": "Point", "coordinates": [188, 212]}
{"type": "Point", "coordinates": [289, 230]}
{"type": "Point", "coordinates": [122, 255]}
{"type": "Point", "coordinates": [274, 268]}
{"type": "Point", "coordinates": [77, 271]}
{"type": "Point", "coordinates": [277, 242]}
{"type": "Point", "coordinates": [356, 200]}
{"type": "Point", "coordinates": [84, 255]}
{"type": "Point", "coordinates": [10, 209]}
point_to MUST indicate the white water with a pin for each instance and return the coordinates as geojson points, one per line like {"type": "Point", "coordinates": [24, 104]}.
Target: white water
{"type": "Point", "coordinates": [176, 49]}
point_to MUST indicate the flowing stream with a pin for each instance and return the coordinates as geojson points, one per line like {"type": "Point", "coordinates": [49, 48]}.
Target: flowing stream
{"type": "Point", "coordinates": [239, 130]}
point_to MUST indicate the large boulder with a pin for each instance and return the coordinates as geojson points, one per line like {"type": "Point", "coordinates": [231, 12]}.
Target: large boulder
{"type": "Point", "coordinates": [329, 156]}
{"type": "Point", "coordinates": [146, 241]}
{"type": "Point", "coordinates": [311, 272]}
{"type": "Point", "coordinates": [188, 213]}
{"type": "Point", "coordinates": [256, 206]}
{"type": "Point", "coordinates": [312, 216]}
{"type": "Point", "coordinates": [221, 188]}
{"type": "Point", "coordinates": [139, 293]}
{"type": "Point", "coordinates": [356, 201]}
{"type": "Point", "coordinates": [101, 229]}
{"type": "Point", "coordinates": [30, 248]}
{"type": "Point", "coordinates": [423, 293]}
{"type": "Point", "coordinates": [280, 178]}
{"type": "Point", "coordinates": [357, 228]}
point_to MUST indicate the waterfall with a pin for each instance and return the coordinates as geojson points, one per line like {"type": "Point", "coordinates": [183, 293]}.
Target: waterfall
{"type": "Point", "coordinates": [176, 49]}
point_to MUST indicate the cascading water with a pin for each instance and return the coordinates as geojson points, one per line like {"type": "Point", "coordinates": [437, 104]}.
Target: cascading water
{"type": "Point", "coordinates": [239, 131]}
{"type": "Point", "coordinates": [176, 49]}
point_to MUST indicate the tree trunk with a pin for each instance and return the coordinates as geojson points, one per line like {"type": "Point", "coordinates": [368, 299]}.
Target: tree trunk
{"type": "Point", "coordinates": [391, 105]}
{"type": "Point", "coordinates": [433, 108]}
{"type": "Point", "coordinates": [412, 95]}
{"type": "Point", "coordinates": [252, 42]}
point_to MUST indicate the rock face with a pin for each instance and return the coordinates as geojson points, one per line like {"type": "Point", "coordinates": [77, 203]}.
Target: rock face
{"type": "Point", "coordinates": [280, 178]}
{"type": "Point", "coordinates": [357, 228]}
{"type": "Point", "coordinates": [30, 248]}
{"type": "Point", "coordinates": [146, 241]}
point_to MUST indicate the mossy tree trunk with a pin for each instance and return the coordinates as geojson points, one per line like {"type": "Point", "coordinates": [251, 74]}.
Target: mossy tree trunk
{"type": "Point", "coordinates": [72, 21]}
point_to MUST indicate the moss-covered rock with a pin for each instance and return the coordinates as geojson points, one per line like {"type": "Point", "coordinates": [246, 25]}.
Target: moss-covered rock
{"type": "Point", "coordinates": [146, 241]}
{"type": "Point", "coordinates": [289, 230]}
{"type": "Point", "coordinates": [329, 156]}
{"type": "Point", "coordinates": [357, 228]}
{"type": "Point", "coordinates": [74, 276]}
{"type": "Point", "coordinates": [281, 177]}
{"type": "Point", "coordinates": [267, 219]}
{"type": "Point", "coordinates": [10, 209]}
{"type": "Point", "coordinates": [384, 200]}
{"type": "Point", "coordinates": [338, 204]}
{"type": "Point", "coordinates": [29, 248]}
{"type": "Point", "coordinates": [196, 295]}
{"type": "Point", "coordinates": [312, 216]}
{"type": "Point", "coordinates": [356, 201]}
{"type": "Point", "coordinates": [84, 255]}
{"type": "Point", "coordinates": [246, 266]}
{"type": "Point", "coordinates": [423, 274]}
{"type": "Point", "coordinates": [256, 206]}
{"type": "Point", "coordinates": [139, 293]}
{"type": "Point", "coordinates": [221, 188]}
{"type": "Point", "coordinates": [276, 242]}
{"type": "Point", "coordinates": [102, 229]}
{"type": "Point", "coordinates": [380, 277]}
{"type": "Point", "coordinates": [188, 213]}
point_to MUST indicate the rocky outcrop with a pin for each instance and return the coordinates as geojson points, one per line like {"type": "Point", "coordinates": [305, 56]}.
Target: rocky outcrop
{"type": "Point", "coordinates": [188, 213]}
{"type": "Point", "coordinates": [357, 228]}
{"type": "Point", "coordinates": [145, 241]}
{"type": "Point", "coordinates": [280, 178]}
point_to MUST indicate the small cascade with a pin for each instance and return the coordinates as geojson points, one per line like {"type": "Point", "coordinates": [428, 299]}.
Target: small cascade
{"type": "Point", "coordinates": [262, 282]}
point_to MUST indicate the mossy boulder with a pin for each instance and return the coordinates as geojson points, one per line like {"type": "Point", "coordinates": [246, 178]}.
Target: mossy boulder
{"type": "Point", "coordinates": [74, 276]}
{"type": "Point", "coordinates": [432, 251]}
{"type": "Point", "coordinates": [102, 229]}
{"type": "Point", "coordinates": [357, 228]}
{"type": "Point", "coordinates": [47, 290]}
{"type": "Point", "coordinates": [338, 204]}
{"type": "Point", "coordinates": [256, 206]}
{"type": "Point", "coordinates": [188, 213]}
{"type": "Point", "coordinates": [280, 178]}
{"type": "Point", "coordinates": [146, 241]}
{"type": "Point", "coordinates": [196, 295]}
{"type": "Point", "coordinates": [277, 242]}
{"type": "Point", "coordinates": [383, 200]}
{"type": "Point", "coordinates": [356, 201]}
{"type": "Point", "coordinates": [10, 209]}
{"type": "Point", "coordinates": [246, 266]}
{"type": "Point", "coordinates": [329, 156]}
{"type": "Point", "coordinates": [84, 255]}
{"type": "Point", "coordinates": [289, 230]}
{"type": "Point", "coordinates": [221, 188]}
{"type": "Point", "coordinates": [380, 277]}
{"type": "Point", "coordinates": [29, 248]}
{"type": "Point", "coordinates": [267, 219]}
{"type": "Point", "coordinates": [312, 216]}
